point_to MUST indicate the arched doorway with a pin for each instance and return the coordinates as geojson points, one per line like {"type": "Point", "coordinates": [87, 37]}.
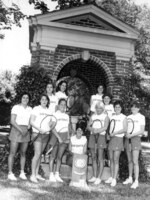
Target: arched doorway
{"type": "Point", "coordinates": [92, 73]}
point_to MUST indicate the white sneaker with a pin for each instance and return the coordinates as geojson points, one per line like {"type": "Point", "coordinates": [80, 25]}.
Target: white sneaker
{"type": "Point", "coordinates": [12, 177]}
{"type": "Point", "coordinates": [39, 177]}
{"type": "Point", "coordinates": [97, 182]}
{"type": "Point", "coordinates": [109, 180]}
{"type": "Point", "coordinates": [113, 183]}
{"type": "Point", "coordinates": [52, 177]}
{"type": "Point", "coordinates": [33, 179]}
{"type": "Point", "coordinates": [128, 181]}
{"type": "Point", "coordinates": [135, 185]}
{"type": "Point", "coordinates": [91, 180]}
{"type": "Point", "coordinates": [22, 176]}
{"type": "Point", "coordinates": [57, 177]}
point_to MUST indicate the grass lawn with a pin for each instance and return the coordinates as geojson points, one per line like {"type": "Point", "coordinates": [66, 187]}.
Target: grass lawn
{"type": "Point", "coordinates": [25, 190]}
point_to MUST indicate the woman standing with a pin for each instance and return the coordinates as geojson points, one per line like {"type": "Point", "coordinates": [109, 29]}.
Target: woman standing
{"type": "Point", "coordinates": [62, 90]}
{"type": "Point", "coordinates": [109, 109]}
{"type": "Point", "coordinates": [19, 134]}
{"type": "Point", "coordinates": [53, 98]}
{"type": "Point", "coordinates": [96, 98]}
{"type": "Point", "coordinates": [61, 133]}
{"type": "Point", "coordinates": [116, 141]}
{"type": "Point", "coordinates": [38, 115]}
{"type": "Point", "coordinates": [100, 140]}
{"type": "Point", "coordinates": [133, 152]}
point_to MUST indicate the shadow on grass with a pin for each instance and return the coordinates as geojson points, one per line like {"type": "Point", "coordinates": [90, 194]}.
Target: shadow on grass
{"type": "Point", "coordinates": [46, 191]}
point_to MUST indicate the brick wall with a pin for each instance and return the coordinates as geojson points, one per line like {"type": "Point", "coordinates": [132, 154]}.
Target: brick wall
{"type": "Point", "coordinates": [102, 67]}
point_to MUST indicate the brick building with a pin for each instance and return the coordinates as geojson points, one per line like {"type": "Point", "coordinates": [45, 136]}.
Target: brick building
{"type": "Point", "coordinates": [84, 42]}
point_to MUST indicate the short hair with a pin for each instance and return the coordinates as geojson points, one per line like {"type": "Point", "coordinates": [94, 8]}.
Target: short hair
{"type": "Point", "coordinates": [99, 104]}
{"type": "Point", "coordinates": [119, 102]}
{"type": "Point", "coordinates": [100, 85]}
{"type": "Point", "coordinates": [62, 99]}
{"type": "Point", "coordinates": [81, 125]}
{"type": "Point", "coordinates": [107, 95]}
{"type": "Point", "coordinates": [135, 104]}
{"type": "Point", "coordinates": [25, 93]}
{"type": "Point", "coordinates": [45, 95]}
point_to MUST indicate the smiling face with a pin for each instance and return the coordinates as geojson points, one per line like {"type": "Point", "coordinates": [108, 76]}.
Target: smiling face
{"type": "Point", "coordinates": [44, 101]}
{"type": "Point", "coordinates": [49, 88]}
{"type": "Point", "coordinates": [135, 109]}
{"type": "Point", "coordinates": [107, 100]}
{"type": "Point", "coordinates": [63, 87]}
{"type": "Point", "coordinates": [99, 109]}
{"type": "Point", "coordinates": [79, 133]}
{"type": "Point", "coordinates": [62, 106]}
{"type": "Point", "coordinates": [118, 109]}
{"type": "Point", "coordinates": [100, 89]}
{"type": "Point", "coordinates": [25, 100]}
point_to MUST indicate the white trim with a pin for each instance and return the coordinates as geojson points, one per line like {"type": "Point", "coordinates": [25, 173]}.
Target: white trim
{"type": "Point", "coordinates": [80, 11]}
{"type": "Point", "coordinates": [87, 29]}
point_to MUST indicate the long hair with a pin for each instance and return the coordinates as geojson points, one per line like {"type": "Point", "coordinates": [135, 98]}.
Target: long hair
{"type": "Point", "coordinates": [60, 83]}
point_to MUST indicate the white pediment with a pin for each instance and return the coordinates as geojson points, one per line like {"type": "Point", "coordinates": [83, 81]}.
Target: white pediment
{"type": "Point", "coordinates": [87, 27]}
{"type": "Point", "coordinates": [89, 17]}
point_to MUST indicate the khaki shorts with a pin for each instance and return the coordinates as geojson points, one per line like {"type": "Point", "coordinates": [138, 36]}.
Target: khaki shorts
{"type": "Point", "coordinates": [101, 142]}
{"type": "Point", "coordinates": [116, 144]}
{"type": "Point", "coordinates": [135, 144]}
{"type": "Point", "coordinates": [16, 136]}
{"type": "Point", "coordinates": [43, 138]}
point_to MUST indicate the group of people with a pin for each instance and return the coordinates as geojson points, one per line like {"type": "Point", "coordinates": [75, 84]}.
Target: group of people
{"type": "Point", "coordinates": [23, 117]}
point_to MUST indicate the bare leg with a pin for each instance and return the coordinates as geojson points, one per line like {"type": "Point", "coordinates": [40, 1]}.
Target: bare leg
{"type": "Point", "coordinates": [116, 163]}
{"type": "Point", "coordinates": [101, 162]}
{"type": "Point", "coordinates": [39, 161]}
{"type": "Point", "coordinates": [130, 163]}
{"type": "Point", "coordinates": [135, 155]}
{"type": "Point", "coordinates": [52, 158]}
{"type": "Point", "coordinates": [23, 149]}
{"type": "Point", "coordinates": [61, 150]}
{"type": "Point", "coordinates": [94, 162]}
{"type": "Point", "coordinates": [111, 155]}
{"type": "Point", "coordinates": [13, 150]}
{"type": "Point", "coordinates": [37, 155]}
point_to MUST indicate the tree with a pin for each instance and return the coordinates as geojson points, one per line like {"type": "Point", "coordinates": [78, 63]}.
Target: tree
{"type": "Point", "coordinates": [7, 84]}
{"type": "Point", "coordinates": [32, 79]}
{"type": "Point", "coordinates": [40, 5]}
{"type": "Point", "coordinates": [9, 16]}
{"type": "Point", "coordinates": [7, 94]}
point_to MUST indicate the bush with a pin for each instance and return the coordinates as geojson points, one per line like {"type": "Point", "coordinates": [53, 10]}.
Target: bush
{"type": "Point", "coordinates": [32, 80]}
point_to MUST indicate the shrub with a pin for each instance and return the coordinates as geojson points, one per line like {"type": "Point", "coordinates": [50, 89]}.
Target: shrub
{"type": "Point", "coordinates": [32, 80]}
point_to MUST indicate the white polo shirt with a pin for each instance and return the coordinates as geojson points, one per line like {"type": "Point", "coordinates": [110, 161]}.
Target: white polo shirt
{"type": "Point", "coordinates": [53, 103]}
{"type": "Point", "coordinates": [118, 123]}
{"type": "Point", "coordinates": [61, 95]}
{"type": "Point", "coordinates": [22, 114]}
{"type": "Point", "coordinates": [62, 121]}
{"type": "Point", "coordinates": [109, 110]}
{"type": "Point", "coordinates": [77, 145]}
{"type": "Point", "coordinates": [40, 113]}
{"type": "Point", "coordinates": [139, 120]}
{"type": "Point", "coordinates": [100, 117]}
{"type": "Point", "coordinates": [94, 100]}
